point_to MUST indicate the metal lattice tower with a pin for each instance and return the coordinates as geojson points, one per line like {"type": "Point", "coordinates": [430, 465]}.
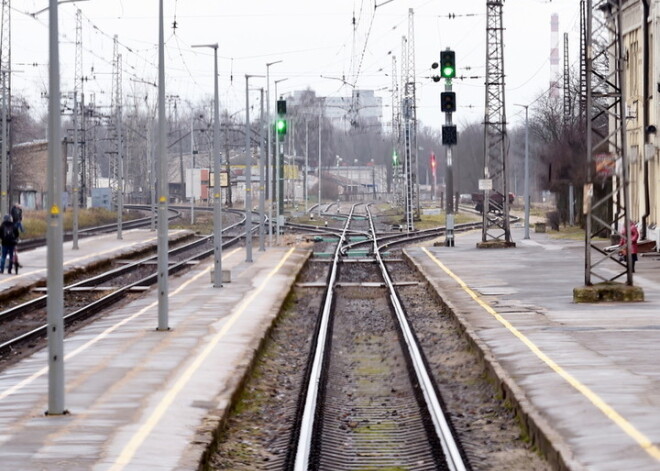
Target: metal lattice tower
{"type": "Point", "coordinates": [116, 160]}
{"type": "Point", "coordinates": [495, 224]}
{"type": "Point", "coordinates": [396, 131]}
{"type": "Point", "coordinates": [413, 97]}
{"type": "Point", "coordinates": [607, 166]}
{"type": "Point", "coordinates": [406, 112]}
{"type": "Point", "coordinates": [567, 84]}
{"type": "Point", "coordinates": [5, 78]}
{"type": "Point", "coordinates": [583, 61]}
{"type": "Point", "coordinates": [79, 105]}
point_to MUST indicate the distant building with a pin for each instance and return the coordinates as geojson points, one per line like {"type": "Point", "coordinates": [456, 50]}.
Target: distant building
{"type": "Point", "coordinates": [643, 115]}
{"type": "Point", "coordinates": [362, 109]}
{"type": "Point", "coordinates": [29, 172]}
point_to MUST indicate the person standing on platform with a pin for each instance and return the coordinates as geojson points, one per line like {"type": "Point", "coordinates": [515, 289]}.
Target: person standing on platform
{"type": "Point", "coordinates": [16, 214]}
{"type": "Point", "coordinates": [9, 238]}
{"type": "Point", "coordinates": [634, 238]}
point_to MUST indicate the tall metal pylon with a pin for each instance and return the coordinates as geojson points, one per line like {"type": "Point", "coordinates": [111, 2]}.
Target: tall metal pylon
{"type": "Point", "coordinates": [582, 105]}
{"type": "Point", "coordinates": [5, 78]}
{"type": "Point", "coordinates": [396, 133]}
{"type": "Point", "coordinates": [75, 157]}
{"type": "Point", "coordinates": [607, 194]}
{"type": "Point", "coordinates": [567, 84]}
{"type": "Point", "coordinates": [496, 214]}
{"type": "Point", "coordinates": [78, 112]}
{"type": "Point", "coordinates": [412, 77]}
{"type": "Point", "coordinates": [406, 112]}
{"type": "Point", "coordinates": [117, 158]}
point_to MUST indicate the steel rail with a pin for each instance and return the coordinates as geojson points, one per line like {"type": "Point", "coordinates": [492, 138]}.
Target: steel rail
{"type": "Point", "coordinates": [443, 431]}
{"type": "Point", "coordinates": [305, 436]}
{"type": "Point", "coordinates": [112, 297]}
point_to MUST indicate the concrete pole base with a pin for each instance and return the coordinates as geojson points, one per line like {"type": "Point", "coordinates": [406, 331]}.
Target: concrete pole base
{"type": "Point", "coordinates": [608, 291]}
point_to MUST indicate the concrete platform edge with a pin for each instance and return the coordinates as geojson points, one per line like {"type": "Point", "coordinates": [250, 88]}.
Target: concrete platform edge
{"type": "Point", "coordinates": [209, 432]}
{"type": "Point", "coordinates": [542, 435]}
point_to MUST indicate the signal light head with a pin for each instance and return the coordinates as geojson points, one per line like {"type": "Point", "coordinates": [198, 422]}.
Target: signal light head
{"type": "Point", "coordinates": [280, 126]}
{"type": "Point", "coordinates": [447, 64]}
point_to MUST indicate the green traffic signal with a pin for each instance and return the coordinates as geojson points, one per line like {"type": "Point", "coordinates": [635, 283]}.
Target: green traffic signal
{"type": "Point", "coordinates": [280, 126]}
{"type": "Point", "coordinates": [447, 64]}
{"type": "Point", "coordinates": [395, 158]}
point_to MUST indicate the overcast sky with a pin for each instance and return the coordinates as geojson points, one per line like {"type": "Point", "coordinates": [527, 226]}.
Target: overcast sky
{"type": "Point", "coordinates": [313, 38]}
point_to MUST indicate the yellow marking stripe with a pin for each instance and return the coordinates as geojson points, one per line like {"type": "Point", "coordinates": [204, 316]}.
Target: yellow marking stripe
{"type": "Point", "coordinates": [605, 408]}
{"type": "Point", "coordinates": [105, 333]}
{"type": "Point", "coordinates": [141, 435]}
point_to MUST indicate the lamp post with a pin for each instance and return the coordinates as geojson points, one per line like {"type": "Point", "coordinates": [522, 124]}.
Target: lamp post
{"type": "Point", "coordinates": [217, 198]}
{"type": "Point", "coordinates": [268, 150]}
{"type": "Point", "coordinates": [526, 170]}
{"type": "Point", "coordinates": [248, 173]}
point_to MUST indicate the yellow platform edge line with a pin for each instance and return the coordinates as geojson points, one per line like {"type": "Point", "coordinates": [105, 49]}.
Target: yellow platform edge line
{"type": "Point", "coordinates": [641, 439]}
{"type": "Point", "coordinates": [17, 387]}
{"type": "Point", "coordinates": [147, 427]}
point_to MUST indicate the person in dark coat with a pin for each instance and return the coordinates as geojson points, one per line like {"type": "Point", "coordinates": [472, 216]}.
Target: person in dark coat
{"type": "Point", "coordinates": [16, 213]}
{"type": "Point", "coordinates": [9, 238]}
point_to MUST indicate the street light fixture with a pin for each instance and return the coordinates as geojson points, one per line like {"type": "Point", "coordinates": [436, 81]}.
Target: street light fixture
{"type": "Point", "coordinates": [217, 198]}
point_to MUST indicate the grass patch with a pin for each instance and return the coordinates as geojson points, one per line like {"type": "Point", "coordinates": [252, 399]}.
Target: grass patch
{"type": "Point", "coordinates": [35, 222]}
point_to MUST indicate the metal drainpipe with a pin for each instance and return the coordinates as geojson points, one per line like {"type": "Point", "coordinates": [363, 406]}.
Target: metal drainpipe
{"type": "Point", "coordinates": [645, 123]}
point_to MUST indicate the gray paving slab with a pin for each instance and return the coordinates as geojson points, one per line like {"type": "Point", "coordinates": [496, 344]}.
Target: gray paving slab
{"type": "Point", "coordinates": [586, 375]}
{"type": "Point", "coordinates": [141, 399]}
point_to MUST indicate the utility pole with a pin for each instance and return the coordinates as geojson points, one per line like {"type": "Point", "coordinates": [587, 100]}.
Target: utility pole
{"type": "Point", "coordinates": [306, 162]}
{"type": "Point", "coordinates": [163, 190]}
{"type": "Point", "coordinates": [248, 172]}
{"type": "Point", "coordinates": [262, 180]}
{"type": "Point", "coordinates": [319, 169]}
{"type": "Point", "coordinates": [496, 228]}
{"type": "Point", "coordinates": [217, 196]}
{"type": "Point", "coordinates": [5, 75]}
{"type": "Point", "coordinates": [55, 255]}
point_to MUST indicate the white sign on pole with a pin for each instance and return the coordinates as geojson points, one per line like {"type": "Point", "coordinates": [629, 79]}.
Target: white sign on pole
{"type": "Point", "coordinates": [194, 183]}
{"type": "Point", "coordinates": [485, 184]}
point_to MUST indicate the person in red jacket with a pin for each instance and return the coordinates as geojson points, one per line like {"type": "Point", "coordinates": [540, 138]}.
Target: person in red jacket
{"type": "Point", "coordinates": [634, 238]}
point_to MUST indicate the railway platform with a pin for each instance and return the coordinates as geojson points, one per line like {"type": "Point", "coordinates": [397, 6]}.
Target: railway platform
{"type": "Point", "coordinates": [142, 399]}
{"type": "Point", "coordinates": [92, 251]}
{"type": "Point", "coordinates": [585, 377]}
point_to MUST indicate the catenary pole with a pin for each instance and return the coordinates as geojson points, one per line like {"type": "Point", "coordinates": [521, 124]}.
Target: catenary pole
{"type": "Point", "coordinates": [217, 164]}
{"type": "Point", "coordinates": [248, 176]}
{"type": "Point", "coordinates": [55, 297]}
{"type": "Point", "coordinates": [163, 291]}
{"type": "Point", "coordinates": [262, 202]}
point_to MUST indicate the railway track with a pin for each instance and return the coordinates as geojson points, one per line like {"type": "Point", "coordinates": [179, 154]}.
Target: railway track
{"type": "Point", "coordinates": [26, 322]}
{"type": "Point", "coordinates": [369, 401]}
